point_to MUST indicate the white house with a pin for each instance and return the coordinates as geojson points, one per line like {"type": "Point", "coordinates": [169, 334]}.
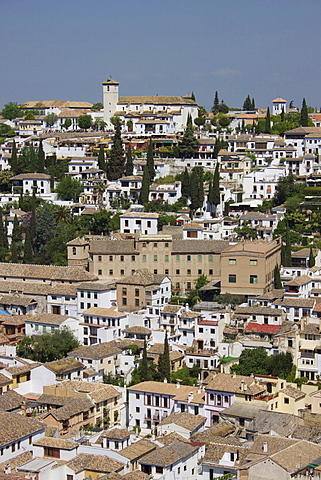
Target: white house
{"type": "Point", "coordinates": [279, 106]}
{"type": "Point", "coordinates": [49, 322]}
{"type": "Point", "coordinates": [27, 183]}
{"type": "Point", "coordinates": [144, 221]}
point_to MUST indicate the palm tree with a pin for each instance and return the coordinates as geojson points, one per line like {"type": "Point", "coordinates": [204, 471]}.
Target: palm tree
{"type": "Point", "coordinates": [62, 214]}
{"type": "Point", "coordinates": [100, 188]}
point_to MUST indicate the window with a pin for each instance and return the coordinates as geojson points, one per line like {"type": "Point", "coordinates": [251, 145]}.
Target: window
{"type": "Point", "coordinates": [232, 261]}
{"type": "Point", "coordinates": [166, 245]}
{"type": "Point", "coordinates": [110, 258]}
{"type": "Point", "coordinates": [122, 272]}
{"type": "Point", "coordinates": [210, 258]}
{"type": "Point", "coordinates": [99, 258]}
{"type": "Point", "coordinates": [232, 278]}
{"type": "Point", "coordinates": [199, 258]}
{"type": "Point", "coordinates": [253, 262]}
{"type": "Point", "coordinates": [155, 258]}
{"type": "Point", "coordinates": [165, 402]}
{"type": "Point", "coordinates": [137, 396]}
{"type": "Point", "coordinates": [253, 278]}
{"type": "Point", "coordinates": [189, 258]}
{"type": "Point", "coordinates": [210, 272]}
{"type": "Point", "coordinates": [166, 258]}
{"type": "Point", "coordinates": [100, 272]}
{"type": "Point", "coordinates": [177, 272]}
{"type": "Point", "coordinates": [122, 258]}
{"type": "Point", "coordinates": [199, 271]}
{"type": "Point", "coordinates": [124, 301]}
{"type": "Point", "coordinates": [166, 271]}
{"type": "Point", "coordinates": [177, 257]}
{"type": "Point", "coordinates": [111, 272]}
{"type": "Point", "coordinates": [144, 258]}
{"type": "Point", "coordinates": [189, 272]}
{"type": "Point", "coordinates": [159, 469]}
{"type": "Point", "coordinates": [286, 400]}
{"type": "Point", "coordinates": [136, 302]}
{"type": "Point", "coordinates": [189, 285]}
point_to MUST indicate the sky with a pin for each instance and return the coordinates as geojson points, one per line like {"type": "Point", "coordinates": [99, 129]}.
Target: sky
{"type": "Point", "coordinates": [65, 49]}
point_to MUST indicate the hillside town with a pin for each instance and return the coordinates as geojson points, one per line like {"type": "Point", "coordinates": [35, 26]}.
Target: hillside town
{"type": "Point", "coordinates": [160, 289]}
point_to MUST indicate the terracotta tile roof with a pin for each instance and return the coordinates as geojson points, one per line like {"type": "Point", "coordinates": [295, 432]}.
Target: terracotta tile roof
{"type": "Point", "coordinates": [215, 452]}
{"type": "Point", "coordinates": [256, 327]}
{"type": "Point", "coordinates": [48, 272]}
{"type": "Point", "coordinates": [63, 289]}
{"type": "Point", "coordinates": [296, 302]}
{"type": "Point", "coordinates": [199, 246]}
{"type": "Point", "coordinates": [258, 311]}
{"type": "Point", "coordinates": [65, 365]}
{"type": "Point", "coordinates": [104, 312]}
{"type": "Point", "coordinates": [14, 426]}
{"type": "Point", "coordinates": [95, 463]}
{"type": "Point", "coordinates": [116, 433]}
{"type": "Point", "coordinates": [15, 462]}
{"type": "Point", "coordinates": [17, 300]}
{"type": "Point", "coordinates": [142, 277]}
{"type": "Point", "coordinates": [42, 104]}
{"type": "Point", "coordinates": [301, 280]}
{"type": "Point", "coordinates": [12, 319]}
{"type": "Point", "coordinates": [97, 286]}
{"type": "Point", "coordinates": [31, 176]}
{"type": "Point", "coordinates": [224, 382]}
{"type": "Point", "coordinates": [71, 409]}
{"type": "Point", "coordinates": [292, 392]}
{"type": "Point", "coordinates": [27, 288]}
{"type": "Point", "coordinates": [113, 247]}
{"type": "Point", "coordinates": [297, 455]}
{"type": "Point", "coordinates": [47, 318]}
{"type": "Point", "coordinates": [156, 100]}
{"type": "Point", "coordinates": [184, 419]}
{"type": "Point", "coordinates": [164, 388]}
{"type": "Point", "coordinates": [10, 400]}
{"type": "Point", "coordinates": [23, 368]}
{"type": "Point", "coordinates": [56, 443]}
{"type": "Point", "coordinates": [137, 449]}
{"type": "Point", "coordinates": [171, 309]}
{"type": "Point", "coordinates": [54, 400]}
{"type": "Point", "coordinates": [137, 329]}
{"type": "Point", "coordinates": [98, 351]}
{"type": "Point", "coordinates": [169, 454]}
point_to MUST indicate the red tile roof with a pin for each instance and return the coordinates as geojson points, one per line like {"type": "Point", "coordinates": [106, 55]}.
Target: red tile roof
{"type": "Point", "coordinates": [256, 327]}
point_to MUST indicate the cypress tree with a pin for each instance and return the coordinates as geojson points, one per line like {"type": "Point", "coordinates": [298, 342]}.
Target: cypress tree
{"type": "Point", "coordinates": [14, 253]}
{"type": "Point", "coordinates": [164, 366]}
{"type": "Point", "coordinates": [216, 186]}
{"type": "Point", "coordinates": [27, 250]}
{"type": "Point", "coordinates": [304, 117]}
{"type": "Point", "coordinates": [40, 159]}
{"type": "Point", "coordinates": [216, 102]}
{"type": "Point", "coordinates": [247, 105]}
{"type": "Point", "coordinates": [196, 188]}
{"type": "Point", "coordinates": [253, 104]}
{"type": "Point", "coordinates": [243, 126]}
{"type": "Point", "coordinates": [52, 172]}
{"type": "Point", "coordinates": [144, 364]}
{"type": "Point", "coordinates": [101, 158]}
{"type": "Point", "coordinates": [268, 121]}
{"type": "Point", "coordinates": [193, 97]}
{"type": "Point", "coordinates": [210, 197]}
{"type": "Point", "coordinates": [277, 277]}
{"type": "Point", "coordinates": [33, 221]}
{"type": "Point", "coordinates": [144, 193]}
{"type": "Point", "coordinates": [185, 184]}
{"type": "Point", "coordinates": [129, 162]}
{"type": "Point", "coordinates": [311, 258]}
{"type": "Point", "coordinates": [16, 231]}
{"type": "Point", "coordinates": [3, 235]}
{"type": "Point", "coordinates": [14, 161]}
{"type": "Point", "coordinates": [116, 160]}
{"type": "Point", "coordinates": [187, 147]}
{"type": "Point", "coordinates": [150, 161]}
{"type": "Point", "coordinates": [287, 250]}
{"type": "Point", "coordinates": [282, 115]}
{"type": "Point", "coordinates": [32, 160]}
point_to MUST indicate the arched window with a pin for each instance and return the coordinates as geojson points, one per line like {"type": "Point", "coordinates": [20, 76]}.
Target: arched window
{"type": "Point", "coordinates": [74, 250]}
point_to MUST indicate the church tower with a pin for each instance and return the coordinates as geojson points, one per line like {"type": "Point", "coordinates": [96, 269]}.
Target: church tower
{"type": "Point", "coordinates": [110, 99]}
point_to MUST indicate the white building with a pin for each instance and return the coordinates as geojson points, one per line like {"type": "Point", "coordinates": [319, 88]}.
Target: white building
{"type": "Point", "coordinates": [31, 182]}
{"type": "Point", "coordinates": [146, 222]}
{"type": "Point", "coordinates": [154, 114]}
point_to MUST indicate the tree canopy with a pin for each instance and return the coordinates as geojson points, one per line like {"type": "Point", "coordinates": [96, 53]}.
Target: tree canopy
{"type": "Point", "coordinates": [69, 189]}
{"type": "Point", "coordinates": [257, 362]}
{"type": "Point", "coordinates": [47, 347]}
{"type": "Point", "coordinates": [11, 110]}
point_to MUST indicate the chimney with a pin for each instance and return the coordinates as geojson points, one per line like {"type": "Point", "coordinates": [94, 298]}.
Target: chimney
{"type": "Point", "coordinates": [178, 384]}
{"type": "Point", "coordinates": [165, 380]}
{"type": "Point", "coordinates": [242, 385]}
{"type": "Point", "coordinates": [7, 468]}
{"type": "Point", "coordinates": [190, 397]}
{"type": "Point", "coordinates": [265, 447]}
{"type": "Point", "coordinates": [234, 375]}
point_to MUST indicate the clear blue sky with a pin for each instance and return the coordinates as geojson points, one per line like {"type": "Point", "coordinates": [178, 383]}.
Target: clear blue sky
{"type": "Point", "coordinates": [64, 49]}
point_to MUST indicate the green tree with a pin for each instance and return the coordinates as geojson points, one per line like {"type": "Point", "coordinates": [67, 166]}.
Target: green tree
{"type": "Point", "coordinates": [116, 160]}
{"type": "Point", "coordinates": [14, 256]}
{"type": "Point", "coordinates": [185, 179]}
{"type": "Point", "coordinates": [45, 230]}
{"type": "Point", "coordinates": [11, 110]}
{"type": "Point", "coordinates": [187, 147]}
{"type": "Point", "coordinates": [3, 232]}
{"type": "Point", "coordinates": [101, 158]}
{"type": "Point", "coordinates": [27, 249]}
{"type": "Point", "coordinates": [216, 186]}
{"type": "Point", "coordinates": [40, 158]}
{"type": "Point", "coordinates": [268, 121]}
{"type": "Point", "coordinates": [277, 277]}
{"type": "Point", "coordinates": [150, 161]}
{"type": "Point", "coordinates": [252, 361]}
{"type": "Point", "coordinates": [216, 103]}
{"type": "Point", "coordinates": [84, 122]}
{"type": "Point", "coordinates": [164, 366]}
{"type": "Point", "coordinates": [14, 161]}
{"type": "Point", "coordinates": [144, 193]}
{"type": "Point", "coordinates": [69, 189]}
{"type": "Point", "coordinates": [144, 364]}
{"type": "Point", "coordinates": [280, 365]}
{"type": "Point", "coordinates": [97, 106]}
{"type": "Point", "coordinates": [48, 346]}
{"type": "Point", "coordinates": [196, 188]}
{"type": "Point", "coordinates": [67, 123]}
{"type": "Point", "coordinates": [311, 258]}
{"type": "Point", "coordinates": [247, 105]}
{"type": "Point", "coordinates": [287, 260]}
{"type": "Point", "coordinates": [99, 124]}
{"type": "Point", "coordinates": [50, 119]}
{"type": "Point", "coordinates": [129, 162]}
{"type": "Point", "coordinates": [304, 117]}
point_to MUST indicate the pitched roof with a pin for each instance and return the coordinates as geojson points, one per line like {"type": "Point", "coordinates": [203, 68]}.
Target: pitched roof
{"type": "Point", "coordinates": [116, 433]}
{"type": "Point", "coordinates": [71, 409]}
{"type": "Point", "coordinates": [49, 272]}
{"type": "Point", "coordinates": [97, 351]}
{"type": "Point", "coordinates": [233, 383]}
{"type": "Point", "coordinates": [47, 318]}
{"type": "Point", "coordinates": [137, 449]}
{"type": "Point", "coordinates": [169, 454]}
{"type": "Point", "coordinates": [185, 419]}
{"type": "Point", "coordinates": [199, 246]}
{"type": "Point", "coordinates": [112, 246]}
{"type": "Point", "coordinates": [14, 426]}
{"type": "Point", "coordinates": [10, 400]}
{"type": "Point", "coordinates": [94, 462]}
{"type": "Point", "coordinates": [256, 327]}
{"type": "Point", "coordinates": [65, 365]}
{"type": "Point", "coordinates": [142, 277]}
{"type": "Point", "coordinates": [292, 392]}
{"type": "Point", "coordinates": [104, 312]}
{"type": "Point", "coordinates": [156, 100]}
{"type": "Point", "coordinates": [62, 443]}
{"type": "Point", "coordinates": [258, 311]}
{"type": "Point", "coordinates": [138, 329]}
{"type": "Point", "coordinates": [296, 302]}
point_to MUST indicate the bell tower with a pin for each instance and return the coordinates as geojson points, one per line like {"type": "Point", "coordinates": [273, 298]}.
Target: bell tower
{"type": "Point", "coordinates": [110, 99]}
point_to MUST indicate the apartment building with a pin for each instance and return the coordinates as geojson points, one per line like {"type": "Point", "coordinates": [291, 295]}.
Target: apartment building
{"type": "Point", "coordinates": [248, 267]}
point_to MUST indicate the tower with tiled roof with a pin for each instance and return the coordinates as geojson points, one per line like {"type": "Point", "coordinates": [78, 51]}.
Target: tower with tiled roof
{"type": "Point", "coordinates": [110, 99]}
